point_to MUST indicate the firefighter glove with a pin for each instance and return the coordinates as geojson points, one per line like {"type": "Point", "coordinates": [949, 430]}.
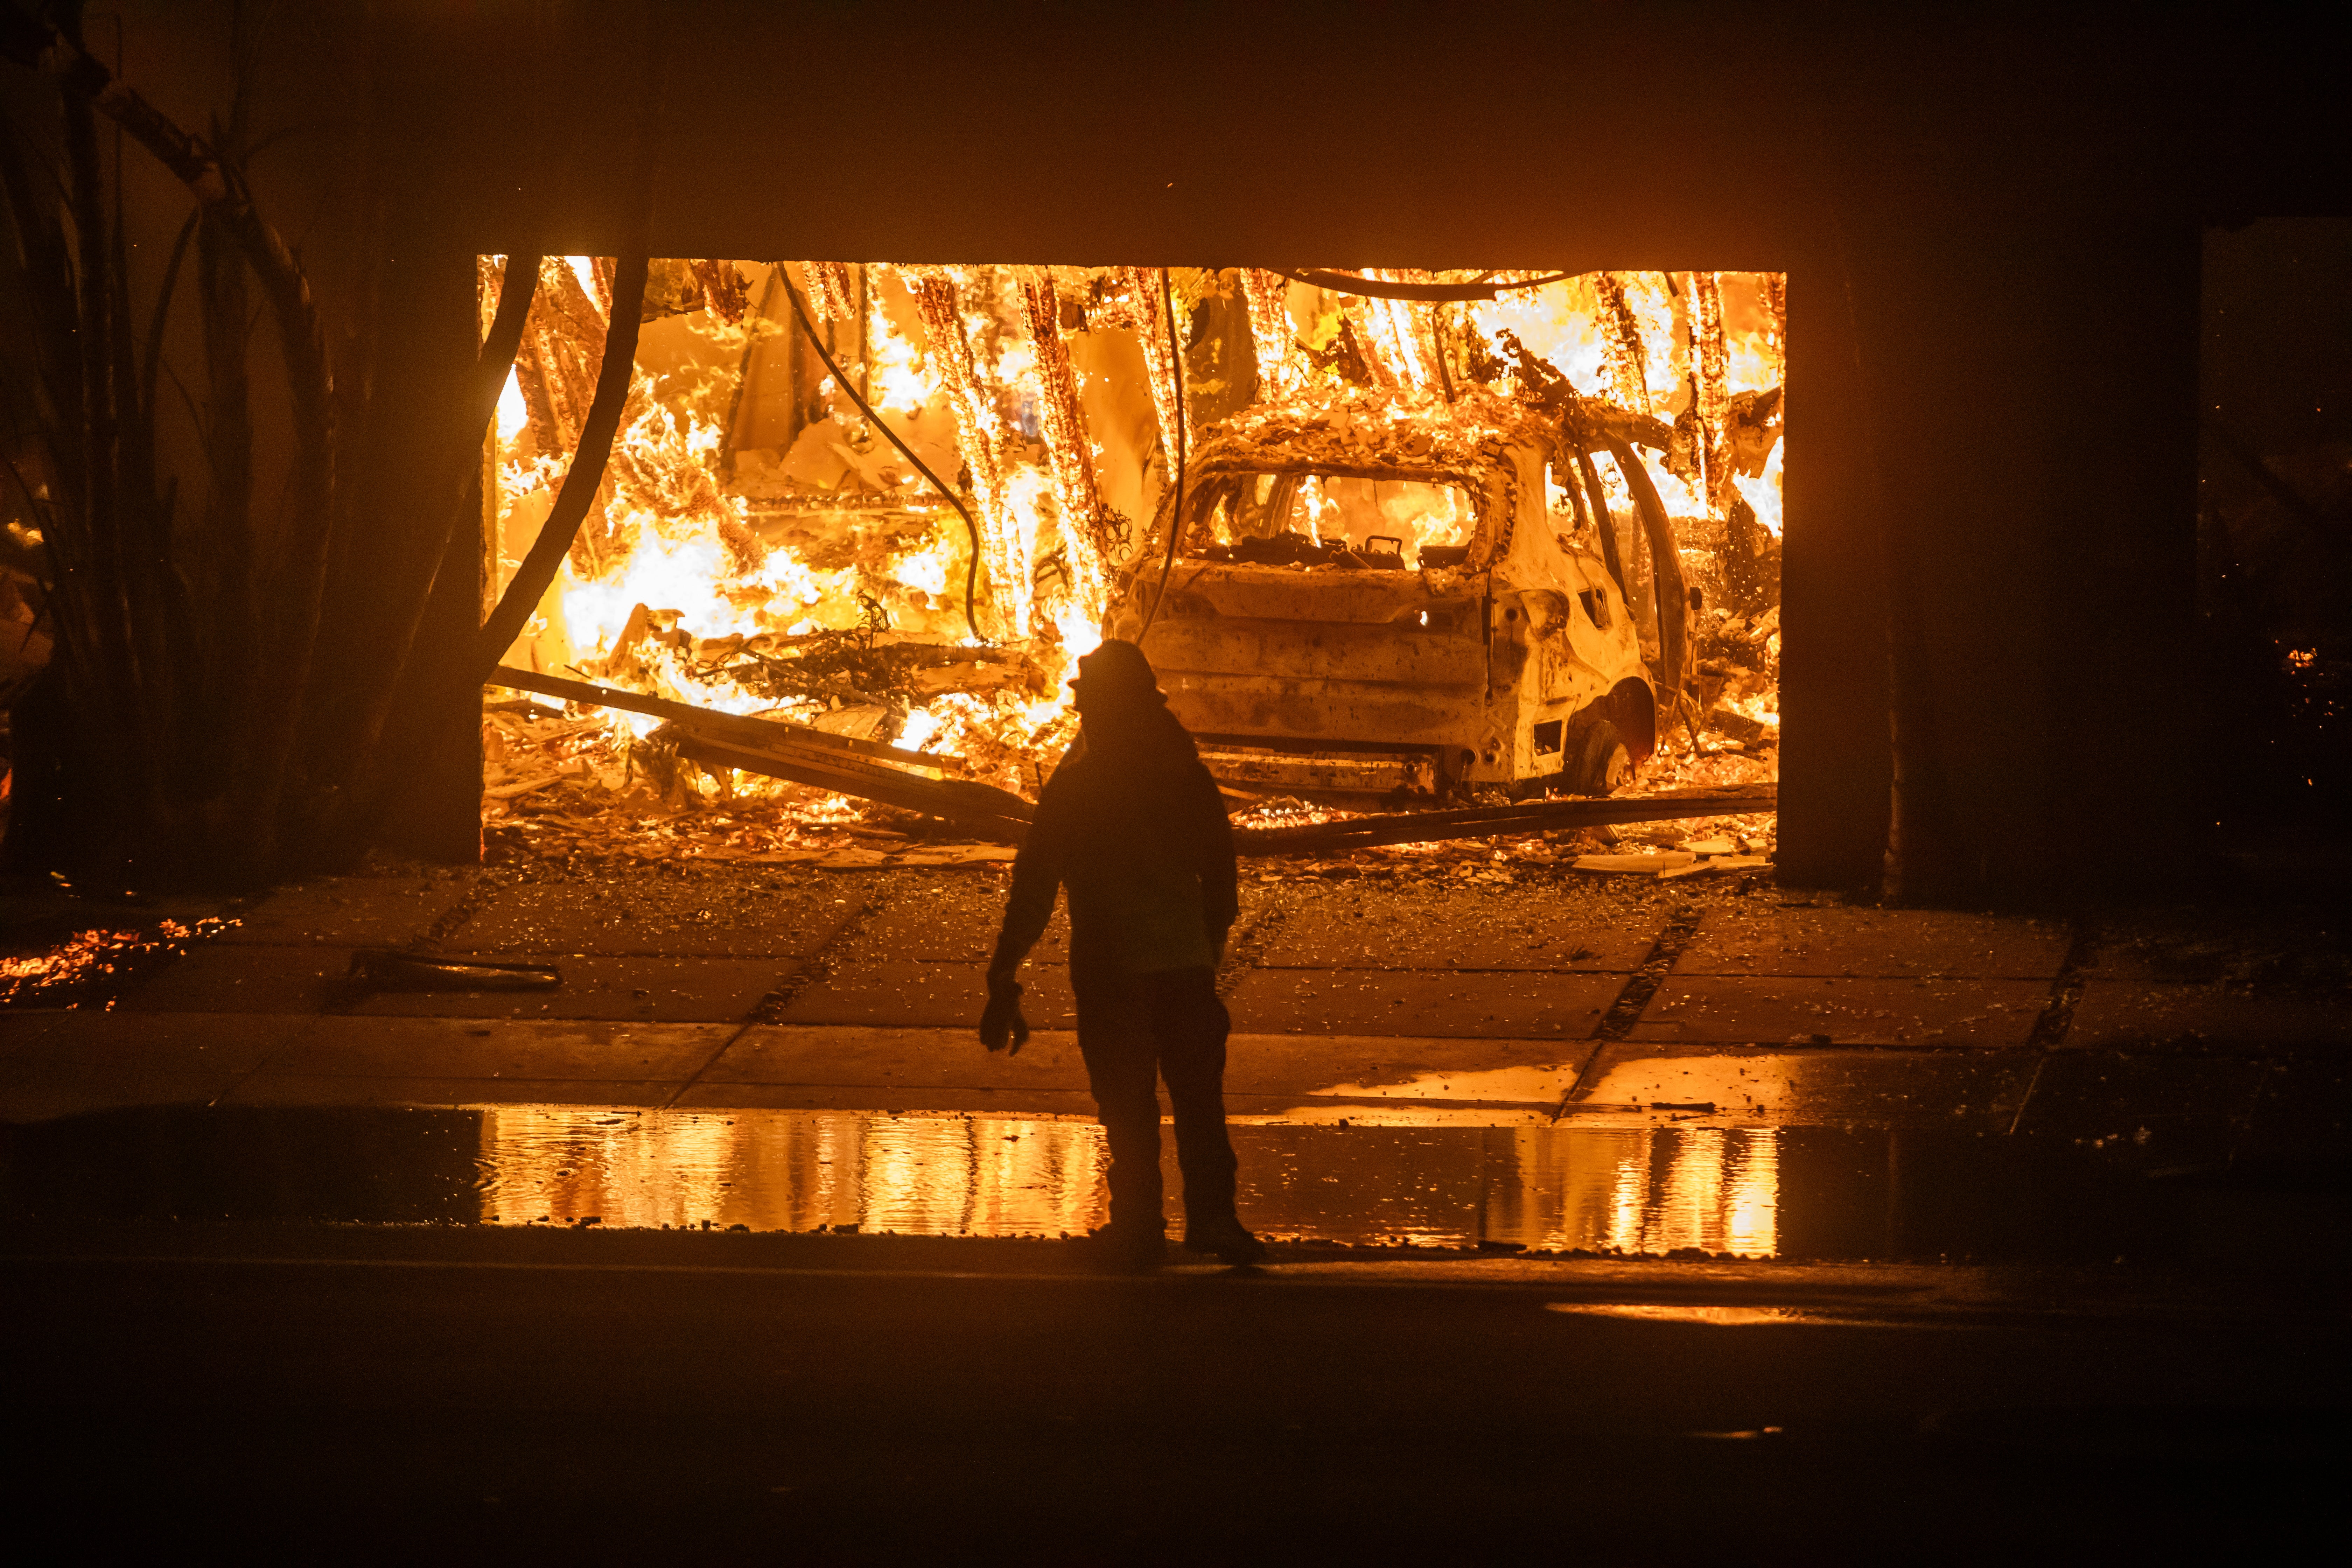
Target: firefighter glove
{"type": "Point", "coordinates": [1002, 1024]}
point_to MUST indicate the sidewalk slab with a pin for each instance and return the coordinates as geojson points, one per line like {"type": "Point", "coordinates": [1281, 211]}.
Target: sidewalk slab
{"type": "Point", "coordinates": [19, 1030]}
{"type": "Point", "coordinates": [2110, 959]}
{"type": "Point", "coordinates": [349, 912]}
{"type": "Point", "coordinates": [2129, 1013]}
{"type": "Point", "coordinates": [1707, 1009]}
{"type": "Point", "coordinates": [937, 996]}
{"type": "Point", "coordinates": [1527, 1005]}
{"type": "Point", "coordinates": [839, 1056]}
{"type": "Point", "coordinates": [1865, 944]}
{"type": "Point", "coordinates": [1786, 1086]}
{"type": "Point", "coordinates": [643, 989]}
{"type": "Point", "coordinates": [1450, 929]}
{"type": "Point", "coordinates": [200, 1043]}
{"type": "Point", "coordinates": [91, 1059]}
{"type": "Point", "coordinates": [1078, 1105]}
{"type": "Point", "coordinates": [1012, 1101]}
{"type": "Point", "coordinates": [2077, 1089]}
{"type": "Point", "coordinates": [918, 926]}
{"type": "Point", "coordinates": [2178, 1111]}
{"type": "Point", "coordinates": [508, 1048]}
{"type": "Point", "coordinates": [247, 978]}
{"type": "Point", "coordinates": [1329, 1111]}
{"type": "Point", "coordinates": [1377, 1068]}
{"type": "Point", "coordinates": [73, 1089]}
{"type": "Point", "coordinates": [662, 920]}
{"type": "Point", "coordinates": [296, 1089]}
{"type": "Point", "coordinates": [2299, 1115]}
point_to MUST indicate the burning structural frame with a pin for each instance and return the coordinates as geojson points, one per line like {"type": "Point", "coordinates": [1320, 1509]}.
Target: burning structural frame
{"type": "Point", "coordinates": [879, 686]}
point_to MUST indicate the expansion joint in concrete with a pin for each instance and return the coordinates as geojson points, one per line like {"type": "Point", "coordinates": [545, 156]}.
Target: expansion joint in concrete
{"type": "Point", "coordinates": [1246, 948]}
{"type": "Point", "coordinates": [708, 1063]}
{"type": "Point", "coordinates": [818, 966]}
{"type": "Point", "coordinates": [2050, 1025]}
{"type": "Point", "coordinates": [1640, 987]}
{"type": "Point", "coordinates": [1644, 982]}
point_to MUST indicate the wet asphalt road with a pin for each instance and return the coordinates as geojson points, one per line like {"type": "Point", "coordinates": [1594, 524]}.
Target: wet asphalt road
{"type": "Point", "coordinates": [480, 1394]}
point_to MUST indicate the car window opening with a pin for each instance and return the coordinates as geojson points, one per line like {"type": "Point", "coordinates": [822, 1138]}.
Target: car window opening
{"type": "Point", "coordinates": [1331, 519]}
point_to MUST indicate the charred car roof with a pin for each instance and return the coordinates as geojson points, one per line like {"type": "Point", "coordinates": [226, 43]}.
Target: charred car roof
{"type": "Point", "coordinates": [1373, 434]}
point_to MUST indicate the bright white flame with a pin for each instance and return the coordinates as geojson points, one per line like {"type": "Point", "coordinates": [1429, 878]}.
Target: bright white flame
{"type": "Point", "coordinates": [1080, 637]}
{"type": "Point", "coordinates": [1665, 352]}
{"type": "Point", "coordinates": [1559, 321]}
{"type": "Point", "coordinates": [926, 569]}
{"type": "Point", "coordinates": [1762, 494]}
{"type": "Point", "coordinates": [513, 412]}
{"type": "Point", "coordinates": [897, 377]}
{"type": "Point", "coordinates": [919, 730]}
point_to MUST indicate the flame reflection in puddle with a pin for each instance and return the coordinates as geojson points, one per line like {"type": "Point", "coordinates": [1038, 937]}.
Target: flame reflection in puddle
{"type": "Point", "coordinates": [1648, 1190]}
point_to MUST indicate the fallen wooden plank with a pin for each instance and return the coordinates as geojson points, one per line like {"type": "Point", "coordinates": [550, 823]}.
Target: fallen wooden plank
{"type": "Point", "coordinates": [517, 788]}
{"type": "Point", "coordinates": [1524, 817]}
{"type": "Point", "coordinates": [1663, 862]}
{"type": "Point", "coordinates": [819, 758]}
{"type": "Point", "coordinates": [752, 732]}
{"type": "Point", "coordinates": [988, 811]}
{"type": "Point", "coordinates": [1715, 863]}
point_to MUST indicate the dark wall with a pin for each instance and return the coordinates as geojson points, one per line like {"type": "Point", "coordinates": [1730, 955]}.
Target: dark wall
{"type": "Point", "coordinates": [1990, 227]}
{"type": "Point", "coordinates": [2277, 357]}
{"type": "Point", "coordinates": [2275, 547]}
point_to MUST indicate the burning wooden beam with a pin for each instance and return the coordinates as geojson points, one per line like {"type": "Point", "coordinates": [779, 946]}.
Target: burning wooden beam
{"type": "Point", "coordinates": [981, 808]}
{"type": "Point", "coordinates": [1388, 360]}
{"type": "Point", "coordinates": [735, 726]}
{"type": "Point", "coordinates": [1281, 368]}
{"type": "Point", "coordinates": [1088, 537]}
{"type": "Point", "coordinates": [1712, 366]}
{"type": "Point", "coordinates": [1157, 339]}
{"type": "Point", "coordinates": [1487, 820]}
{"type": "Point", "coordinates": [831, 292]}
{"type": "Point", "coordinates": [1004, 546]}
{"type": "Point", "coordinates": [722, 289]}
{"type": "Point", "coordinates": [1621, 344]}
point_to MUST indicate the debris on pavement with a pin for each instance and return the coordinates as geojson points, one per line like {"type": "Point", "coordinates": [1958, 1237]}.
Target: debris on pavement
{"type": "Point", "coordinates": [379, 969]}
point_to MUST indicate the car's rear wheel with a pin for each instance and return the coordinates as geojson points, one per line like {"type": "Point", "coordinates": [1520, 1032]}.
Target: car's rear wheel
{"type": "Point", "coordinates": [1604, 764]}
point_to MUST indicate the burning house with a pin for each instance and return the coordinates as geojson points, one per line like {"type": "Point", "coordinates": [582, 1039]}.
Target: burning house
{"type": "Point", "coordinates": [1440, 533]}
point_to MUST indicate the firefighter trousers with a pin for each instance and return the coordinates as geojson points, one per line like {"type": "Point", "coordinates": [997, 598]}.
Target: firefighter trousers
{"type": "Point", "coordinates": [1133, 1030]}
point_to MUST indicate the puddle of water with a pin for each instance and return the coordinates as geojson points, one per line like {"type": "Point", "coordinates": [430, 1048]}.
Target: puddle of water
{"type": "Point", "coordinates": [1826, 1192]}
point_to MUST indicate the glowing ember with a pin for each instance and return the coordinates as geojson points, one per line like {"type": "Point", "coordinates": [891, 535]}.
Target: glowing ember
{"type": "Point", "coordinates": [93, 961]}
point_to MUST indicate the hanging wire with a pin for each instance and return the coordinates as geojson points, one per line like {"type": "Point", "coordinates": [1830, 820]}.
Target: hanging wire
{"type": "Point", "coordinates": [971, 573]}
{"type": "Point", "coordinates": [1176, 512]}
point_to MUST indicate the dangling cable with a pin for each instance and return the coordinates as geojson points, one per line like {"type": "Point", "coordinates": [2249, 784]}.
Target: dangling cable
{"type": "Point", "coordinates": [1176, 513]}
{"type": "Point", "coordinates": [972, 575]}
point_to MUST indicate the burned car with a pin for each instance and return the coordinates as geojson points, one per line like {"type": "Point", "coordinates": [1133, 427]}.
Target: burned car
{"type": "Point", "coordinates": [1376, 599]}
